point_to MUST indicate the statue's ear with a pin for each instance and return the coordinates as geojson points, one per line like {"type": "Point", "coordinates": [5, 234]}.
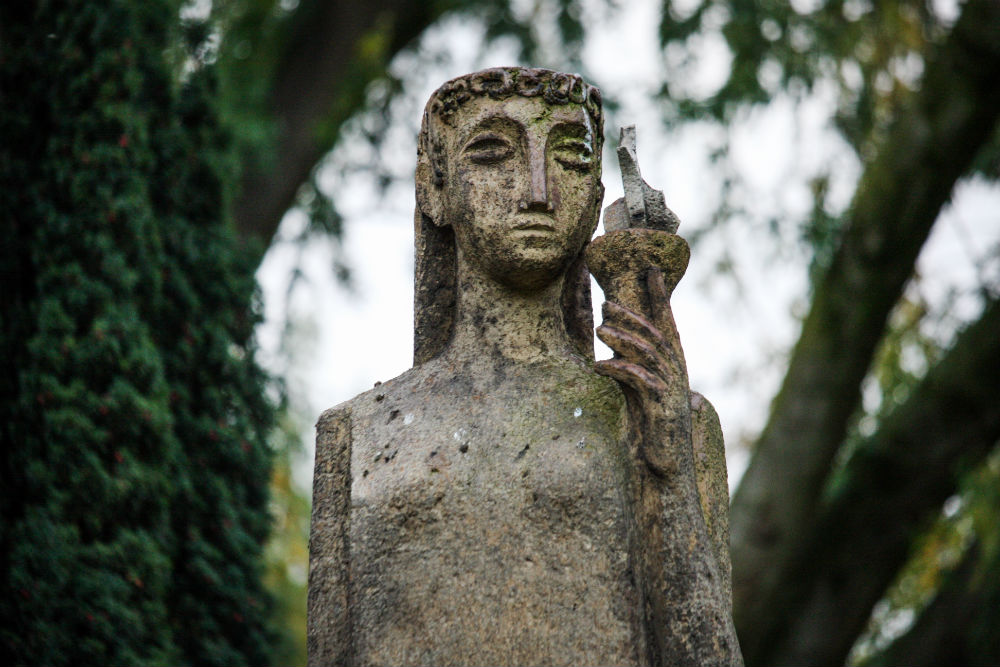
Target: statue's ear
{"type": "Point", "coordinates": [430, 194]}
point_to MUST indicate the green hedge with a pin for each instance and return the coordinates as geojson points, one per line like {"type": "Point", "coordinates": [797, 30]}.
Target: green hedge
{"type": "Point", "coordinates": [135, 468]}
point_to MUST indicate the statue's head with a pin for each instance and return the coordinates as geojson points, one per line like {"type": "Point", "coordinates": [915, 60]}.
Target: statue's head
{"type": "Point", "coordinates": [508, 174]}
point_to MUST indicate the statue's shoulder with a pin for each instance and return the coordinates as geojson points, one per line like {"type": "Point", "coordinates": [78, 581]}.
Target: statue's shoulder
{"type": "Point", "coordinates": [346, 426]}
{"type": "Point", "coordinates": [363, 407]}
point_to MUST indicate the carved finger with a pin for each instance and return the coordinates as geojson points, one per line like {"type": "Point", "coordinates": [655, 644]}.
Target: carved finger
{"type": "Point", "coordinates": [628, 320]}
{"type": "Point", "coordinates": [633, 348]}
{"type": "Point", "coordinates": [671, 355]}
{"type": "Point", "coordinates": [631, 375]}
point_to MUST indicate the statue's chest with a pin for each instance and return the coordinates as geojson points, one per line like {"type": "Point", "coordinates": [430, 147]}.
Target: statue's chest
{"type": "Point", "coordinates": [487, 451]}
{"type": "Point", "coordinates": [506, 516]}
{"type": "Point", "coordinates": [517, 439]}
{"type": "Point", "coordinates": [433, 475]}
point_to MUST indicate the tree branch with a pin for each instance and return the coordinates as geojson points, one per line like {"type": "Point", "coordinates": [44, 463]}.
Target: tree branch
{"type": "Point", "coordinates": [335, 50]}
{"type": "Point", "coordinates": [931, 144]}
{"type": "Point", "coordinates": [894, 484]}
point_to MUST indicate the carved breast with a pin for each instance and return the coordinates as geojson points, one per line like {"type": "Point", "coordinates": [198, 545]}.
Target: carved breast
{"type": "Point", "coordinates": [488, 524]}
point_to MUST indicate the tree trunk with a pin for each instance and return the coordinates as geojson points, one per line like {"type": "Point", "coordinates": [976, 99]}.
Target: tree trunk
{"type": "Point", "coordinates": [931, 144]}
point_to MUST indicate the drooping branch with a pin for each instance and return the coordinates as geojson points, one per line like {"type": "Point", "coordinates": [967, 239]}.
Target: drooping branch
{"type": "Point", "coordinates": [335, 50]}
{"type": "Point", "coordinates": [932, 142]}
{"type": "Point", "coordinates": [892, 486]}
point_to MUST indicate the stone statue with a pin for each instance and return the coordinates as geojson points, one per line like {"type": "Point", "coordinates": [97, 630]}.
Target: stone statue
{"type": "Point", "coordinates": [508, 500]}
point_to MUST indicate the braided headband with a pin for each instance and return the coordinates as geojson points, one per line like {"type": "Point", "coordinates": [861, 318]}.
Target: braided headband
{"type": "Point", "coordinates": [501, 82]}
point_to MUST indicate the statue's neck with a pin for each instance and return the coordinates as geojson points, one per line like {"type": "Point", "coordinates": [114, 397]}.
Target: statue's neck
{"type": "Point", "coordinates": [495, 322]}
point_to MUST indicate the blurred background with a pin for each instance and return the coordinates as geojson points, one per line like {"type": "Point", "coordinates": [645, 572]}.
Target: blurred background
{"type": "Point", "coordinates": [209, 210]}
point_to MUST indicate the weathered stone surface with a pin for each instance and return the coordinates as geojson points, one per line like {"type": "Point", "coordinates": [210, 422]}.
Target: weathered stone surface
{"type": "Point", "coordinates": [508, 500]}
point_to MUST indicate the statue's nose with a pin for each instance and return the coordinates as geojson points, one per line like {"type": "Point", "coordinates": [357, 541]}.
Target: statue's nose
{"type": "Point", "coordinates": [538, 189]}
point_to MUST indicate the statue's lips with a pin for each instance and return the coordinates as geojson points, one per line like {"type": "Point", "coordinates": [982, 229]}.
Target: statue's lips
{"type": "Point", "coordinates": [535, 226]}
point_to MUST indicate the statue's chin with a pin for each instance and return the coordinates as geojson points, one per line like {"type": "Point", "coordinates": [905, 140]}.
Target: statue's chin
{"type": "Point", "coordinates": [532, 271]}
{"type": "Point", "coordinates": [523, 260]}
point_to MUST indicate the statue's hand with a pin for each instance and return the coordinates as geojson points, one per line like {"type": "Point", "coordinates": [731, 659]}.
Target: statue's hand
{"type": "Point", "coordinates": [649, 363]}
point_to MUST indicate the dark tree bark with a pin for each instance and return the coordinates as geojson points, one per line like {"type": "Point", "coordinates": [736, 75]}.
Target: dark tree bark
{"type": "Point", "coordinates": [319, 82]}
{"type": "Point", "coordinates": [932, 142]}
{"type": "Point", "coordinates": [893, 486]}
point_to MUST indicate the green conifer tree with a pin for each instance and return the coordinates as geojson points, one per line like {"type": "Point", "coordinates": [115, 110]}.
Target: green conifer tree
{"type": "Point", "coordinates": [135, 468]}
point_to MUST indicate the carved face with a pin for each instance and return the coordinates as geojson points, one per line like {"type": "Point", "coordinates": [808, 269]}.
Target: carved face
{"type": "Point", "coordinates": [522, 187]}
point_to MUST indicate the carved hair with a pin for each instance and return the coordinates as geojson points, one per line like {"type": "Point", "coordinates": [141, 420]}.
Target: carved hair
{"type": "Point", "coordinates": [434, 284]}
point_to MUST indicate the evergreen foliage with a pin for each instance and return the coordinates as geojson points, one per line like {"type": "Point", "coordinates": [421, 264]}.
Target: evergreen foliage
{"type": "Point", "coordinates": [135, 467]}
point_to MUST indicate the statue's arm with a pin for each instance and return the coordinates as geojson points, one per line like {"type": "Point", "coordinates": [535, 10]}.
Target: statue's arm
{"type": "Point", "coordinates": [683, 571]}
{"type": "Point", "coordinates": [329, 622]}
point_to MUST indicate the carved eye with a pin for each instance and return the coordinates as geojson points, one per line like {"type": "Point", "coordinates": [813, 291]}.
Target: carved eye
{"type": "Point", "coordinates": [488, 148]}
{"type": "Point", "coordinates": [574, 153]}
